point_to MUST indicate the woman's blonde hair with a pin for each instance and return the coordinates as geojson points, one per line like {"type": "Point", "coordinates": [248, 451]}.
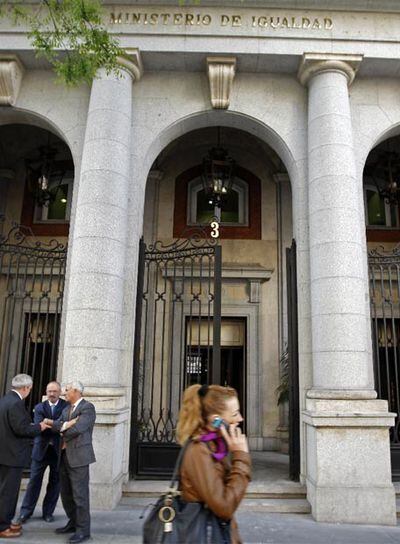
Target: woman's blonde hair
{"type": "Point", "coordinates": [196, 407]}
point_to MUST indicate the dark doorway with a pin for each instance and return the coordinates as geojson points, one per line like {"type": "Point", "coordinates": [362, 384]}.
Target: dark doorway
{"type": "Point", "coordinates": [199, 359]}
{"type": "Point", "coordinates": [233, 372]}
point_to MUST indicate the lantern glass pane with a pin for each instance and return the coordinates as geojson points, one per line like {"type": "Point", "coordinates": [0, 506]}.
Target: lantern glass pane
{"type": "Point", "coordinates": [57, 209]}
{"type": "Point", "coordinates": [230, 208]}
{"type": "Point", "coordinates": [204, 210]}
{"type": "Point", "coordinates": [376, 208]}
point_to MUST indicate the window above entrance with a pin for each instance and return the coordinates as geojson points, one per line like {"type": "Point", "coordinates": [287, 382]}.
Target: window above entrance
{"type": "Point", "coordinates": [240, 212]}
{"type": "Point", "coordinates": [59, 209]}
{"type": "Point", "coordinates": [379, 212]}
{"type": "Point", "coordinates": [234, 210]}
{"type": "Point", "coordinates": [382, 192]}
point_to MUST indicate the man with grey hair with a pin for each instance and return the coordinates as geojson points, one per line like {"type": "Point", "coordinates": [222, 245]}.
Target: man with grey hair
{"type": "Point", "coordinates": [76, 427]}
{"type": "Point", "coordinates": [16, 430]}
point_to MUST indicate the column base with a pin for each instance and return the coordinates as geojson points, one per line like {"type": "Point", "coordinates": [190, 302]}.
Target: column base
{"type": "Point", "coordinates": [111, 446]}
{"type": "Point", "coordinates": [348, 461]}
{"type": "Point", "coordinates": [107, 495]}
{"type": "Point", "coordinates": [369, 505]}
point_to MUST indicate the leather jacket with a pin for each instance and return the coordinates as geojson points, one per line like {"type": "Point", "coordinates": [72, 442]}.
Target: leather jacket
{"type": "Point", "coordinates": [218, 484]}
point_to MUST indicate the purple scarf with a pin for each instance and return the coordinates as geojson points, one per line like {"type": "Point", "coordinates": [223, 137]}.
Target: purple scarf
{"type": "Point", "coordinates": [222, 450]}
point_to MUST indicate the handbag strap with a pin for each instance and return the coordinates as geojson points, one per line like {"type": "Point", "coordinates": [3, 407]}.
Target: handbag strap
{"type": "Point", "coordinates": [176, 474]}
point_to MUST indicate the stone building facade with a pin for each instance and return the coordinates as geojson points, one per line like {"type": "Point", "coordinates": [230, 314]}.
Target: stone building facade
{"type": "Point", "coordinates": [300, 93]}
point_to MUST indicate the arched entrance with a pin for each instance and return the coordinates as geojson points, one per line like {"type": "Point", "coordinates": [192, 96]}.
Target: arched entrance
{"type": "Point", "coordinates": [381, 201]}
{"type": "Point", "coordinates": [36, 184]}
{"type": "Point", "coordinates": [177, 348]}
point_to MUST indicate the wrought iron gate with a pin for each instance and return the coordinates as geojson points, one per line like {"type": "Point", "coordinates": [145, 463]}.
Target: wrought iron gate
{"type": "Point", "coordinates": [31, 293]}
{"type": "Point", "coordinates": [294, 411]}
{"type": "Point", "coordinates": [384, 276]}
{"type": "Point", "coordinates": [177, 343]}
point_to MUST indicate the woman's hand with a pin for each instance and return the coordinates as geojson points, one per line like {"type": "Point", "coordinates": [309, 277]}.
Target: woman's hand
{"type": "Point", "coordinates": [234, 438]}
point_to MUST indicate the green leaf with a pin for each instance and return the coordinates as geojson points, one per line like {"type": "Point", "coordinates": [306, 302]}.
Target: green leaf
{"type": "Point", "coordinates": [71, 36]}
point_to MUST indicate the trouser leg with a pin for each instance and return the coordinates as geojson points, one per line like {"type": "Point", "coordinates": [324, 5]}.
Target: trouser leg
{"type": "Point", "coordinates": [34, 486]}
{"type": "Point", "coordinates": [66, 490]}
{"type": "Point", "coordinates": [10, 481]}
{"type": "Point", "coordinates": [80, 488]}
{"type": "Point", "coordinates": [53, 486]}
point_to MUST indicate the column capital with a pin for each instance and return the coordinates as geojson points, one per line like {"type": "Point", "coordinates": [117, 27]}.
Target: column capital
{"type": "Point", "coordinates": [11, 74]}
{"type": "Point", "coordinates": [131, 62]}
{"type": "Point", "coordinates": [315, 63]}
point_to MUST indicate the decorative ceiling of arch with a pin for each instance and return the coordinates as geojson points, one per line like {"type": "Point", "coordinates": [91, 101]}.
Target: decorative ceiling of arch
{"type": "Point", "coordinates": [19, 142]}
{"type": "Point", "coordinates": [235, 141]}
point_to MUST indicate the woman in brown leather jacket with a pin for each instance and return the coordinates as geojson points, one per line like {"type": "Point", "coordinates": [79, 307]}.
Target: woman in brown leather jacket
{"type": "Point", "coordinates": [206, 475]}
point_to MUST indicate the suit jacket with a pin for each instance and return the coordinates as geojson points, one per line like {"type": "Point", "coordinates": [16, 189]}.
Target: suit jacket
{"type": "Point", "coordinates": [16, 429]}
{"type": "Point", "coordinates": [78, 439]}
{"type": "Point", "coordinates": [41, 442]}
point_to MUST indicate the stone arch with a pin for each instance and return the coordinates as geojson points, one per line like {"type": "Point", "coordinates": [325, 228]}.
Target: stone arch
{"type": "Point", "coordinates": [385, 134]}
{"type": "Point", "coordinates": [229, 119]}
{"type": "Point", "coordinates": [19, 116]}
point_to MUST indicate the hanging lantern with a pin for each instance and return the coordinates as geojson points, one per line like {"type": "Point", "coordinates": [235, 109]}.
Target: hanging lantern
{"type": "Point", "coordinates": [386, 176]}
{"type": "Point", "coordinates": [217, 175]}
{"type": "Point", "coordinates": [40, 173]}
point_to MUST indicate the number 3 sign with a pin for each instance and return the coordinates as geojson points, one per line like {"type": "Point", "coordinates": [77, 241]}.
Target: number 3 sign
{"type": "Point", "coordinates": [214, 229]}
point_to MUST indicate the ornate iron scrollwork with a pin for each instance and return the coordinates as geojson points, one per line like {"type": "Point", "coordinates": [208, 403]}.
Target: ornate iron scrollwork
{"type": "Point", "coordinates": [22, 237]}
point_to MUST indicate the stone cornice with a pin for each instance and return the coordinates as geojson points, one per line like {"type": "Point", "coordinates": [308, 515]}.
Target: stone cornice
{"type": "Point", "coordinates": [342, 5]}
{"type": "Point", "coordinates": [132, 63]}
{"type": "Point", "coordinates": [221, 71]}
{"type": "Point", "coordinates": [11, 74]}
{"type": "Point", "coordinates": [316, 63]}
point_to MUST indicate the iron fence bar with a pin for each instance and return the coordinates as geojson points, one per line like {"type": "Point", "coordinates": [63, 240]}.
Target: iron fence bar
{"type": "Point", "coordinates": [216, 370]}
{"type": "Point", "coordinates": [136, 352]}
{"type": "Point", "coordinates": [294, 411]}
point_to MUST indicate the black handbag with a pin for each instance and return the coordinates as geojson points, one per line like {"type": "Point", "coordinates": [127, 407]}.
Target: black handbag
{"type": "Point", "coordinates": [175, 521]}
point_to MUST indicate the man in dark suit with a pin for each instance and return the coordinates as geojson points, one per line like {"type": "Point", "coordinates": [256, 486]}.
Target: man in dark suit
{"type": "Point", "coordinates": [16, 429]}
{"type": "Point", "coordinates": [76, 426]}
{"type": "Point", "coordinates": [46, 452]}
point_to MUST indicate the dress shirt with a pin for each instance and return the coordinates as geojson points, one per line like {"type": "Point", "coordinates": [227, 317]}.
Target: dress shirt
{"type": "Point", "coordinates": [73, 407]}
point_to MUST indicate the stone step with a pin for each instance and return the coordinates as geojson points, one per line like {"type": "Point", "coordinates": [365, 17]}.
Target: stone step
{"type": "Point", "coordinates": [271, 506]}
{"type": "Point", "coordinates": [276, 506]}
{"type": "Point", "coordinates": [256, 489]}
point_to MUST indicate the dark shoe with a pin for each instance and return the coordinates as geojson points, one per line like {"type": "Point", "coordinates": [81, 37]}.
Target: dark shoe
{"type": "Point", "coordinates": [77, 537]}
{"type": "Point", "coordinates": [8, 533]}
{"type": "Point", "coordinates": [69, 528]}
{"type": "Point", "coordinates": [49, 518]}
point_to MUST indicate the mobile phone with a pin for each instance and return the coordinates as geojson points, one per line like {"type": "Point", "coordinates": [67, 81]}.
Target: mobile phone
{"type": "Point", "coordinates": [217, 422]}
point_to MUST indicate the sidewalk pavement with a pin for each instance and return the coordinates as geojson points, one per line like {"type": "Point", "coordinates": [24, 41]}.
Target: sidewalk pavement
{"type": "Point", "coordinates": [123, 526]}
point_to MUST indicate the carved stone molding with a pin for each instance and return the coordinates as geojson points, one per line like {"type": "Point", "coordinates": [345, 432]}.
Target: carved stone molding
{"type": "Point", "coordinates": [132, 63]}
{"type": "Point", "coordinates": [11, 74]}
{"type": "Point", "coordinates": [221, 71]}
{"type": "Point", "coordinates": [315, 63]}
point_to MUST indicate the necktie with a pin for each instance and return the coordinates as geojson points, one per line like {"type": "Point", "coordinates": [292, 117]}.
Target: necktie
{"type": "Point", "coordinates": [52, 408]}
